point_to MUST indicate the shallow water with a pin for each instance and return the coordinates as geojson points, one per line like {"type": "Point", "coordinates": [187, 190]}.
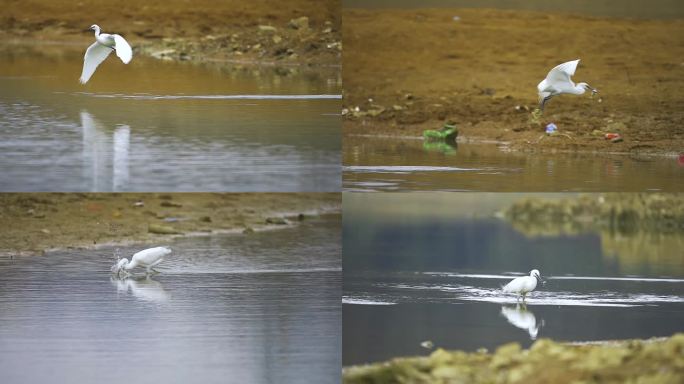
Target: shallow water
{"type": "Point", "coordinates": [261, 308]}
{"type": "Point", "coordinates": [157, 125]}
{"type": "Point", "coordinates": [422, 273]}
{"type": "Point", "coordinates": [386, 164]}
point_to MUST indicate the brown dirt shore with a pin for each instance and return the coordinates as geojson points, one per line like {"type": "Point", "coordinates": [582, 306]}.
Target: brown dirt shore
{"type": "Point", "coordinates": [36, 222]}
{"type": "Point", "coordinates": [629, 361]}
{"type": "Point", "coordinates": [409, 70]}
{"type": "Point", "coordinates": [262, 31]}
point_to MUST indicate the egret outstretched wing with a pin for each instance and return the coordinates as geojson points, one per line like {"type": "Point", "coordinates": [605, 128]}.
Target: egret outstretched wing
{"type": "Point", "coordinates": [559, 76]}
{"type": "Point", "coordinates": [95, 55]}
{"type": "Point", "coordinates": [123, 49]}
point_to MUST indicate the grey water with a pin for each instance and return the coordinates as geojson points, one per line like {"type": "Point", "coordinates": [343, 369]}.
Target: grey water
{"type": "Point", "coordinates": [261, 308]}
{"type": "Point", "coordinates": [432, 270]}
{"type": "Point", "coordinates": [380, 164]}
{"type": "Point", "coordinates": [157, 125]}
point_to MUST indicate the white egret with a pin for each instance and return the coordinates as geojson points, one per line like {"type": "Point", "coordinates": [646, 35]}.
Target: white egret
{"type": "Point", "coordinates": [523, 285]}
{"type": "Point", "coordinates": [558, 82]}
{"type": "Point", "coordinates": [147, 258]}
{"type": "Point", "coordinates": [104, 44]}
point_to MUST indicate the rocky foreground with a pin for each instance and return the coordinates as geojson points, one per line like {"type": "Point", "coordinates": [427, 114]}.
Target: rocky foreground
{"type": "Point", "coordinates": [631, 361]}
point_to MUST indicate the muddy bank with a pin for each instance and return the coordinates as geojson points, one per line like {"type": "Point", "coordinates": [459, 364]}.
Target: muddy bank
{"type": "Point", "coordinates": [409, 70]}
{"type": "Point", "coordinates": [292, 32]}
{"type": "Point", "coordinates": [35, 222]}
{"type": "Point", "coordinates": [656, 361]}
{"type": "Point", "coordinates": [617, 212]}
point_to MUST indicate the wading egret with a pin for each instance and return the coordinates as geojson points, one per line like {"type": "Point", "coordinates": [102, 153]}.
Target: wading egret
{"type": "Point", "coordinates": [104, 45]}
{"type": "Point", "coordinates": [147, 258]}
{"type": "Point", "coordinates": [523, 285]}
{"type": "Point", "coordinates": [558, 82]}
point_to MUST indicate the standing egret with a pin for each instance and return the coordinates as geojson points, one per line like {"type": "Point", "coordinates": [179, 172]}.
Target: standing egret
{"type": "Point", "coordinates": [558, 82]}
{"type": "Point", "coordinates": [147, 258]}
{"type": "Point", "coordinates": [523, 285]}
{"type": "Point", "coordinates": [104, 45]}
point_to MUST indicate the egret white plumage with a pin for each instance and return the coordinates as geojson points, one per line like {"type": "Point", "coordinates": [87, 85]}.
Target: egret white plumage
{"type": "Point", "coordinates": [104, 44]}
{"type": "Point", "coordinates": [523, 285]}
{"type": "Point", "coordinates": [558, 82]}
{"type": "Point", "coordinates": [147, 258]}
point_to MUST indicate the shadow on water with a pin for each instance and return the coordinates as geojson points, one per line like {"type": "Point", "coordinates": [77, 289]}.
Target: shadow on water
{"type": "Point", "coordinates": [191, 127]}
{"type": "Point", "coordinates": [261, 308]}
{"type": "Point", "coordinates": [432, 268]}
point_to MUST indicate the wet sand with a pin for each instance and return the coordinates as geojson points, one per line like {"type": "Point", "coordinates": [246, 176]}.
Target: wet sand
{"type": "Point", "coordinates": [657, 361]}
{"type": "Point", "coordinates": [237, 31]}
{"type": "Point", "coordinates": [409, 70]}
{"type": "Point", "coordinates": [36, 222]}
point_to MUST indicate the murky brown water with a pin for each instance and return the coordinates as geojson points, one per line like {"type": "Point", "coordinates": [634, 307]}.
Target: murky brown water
{"type": "Point", "coordinates": [156, 125]}
{"type": "Point", "coordinates": [388, 164]}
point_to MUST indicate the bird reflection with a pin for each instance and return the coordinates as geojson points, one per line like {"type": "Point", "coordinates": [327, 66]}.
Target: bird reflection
{"type": "Point", "coordinates": [105, 155]}
{"type": "Point", "coordinates": [143, 288]}
{"type": "Point", "coordinates": [522, 318]}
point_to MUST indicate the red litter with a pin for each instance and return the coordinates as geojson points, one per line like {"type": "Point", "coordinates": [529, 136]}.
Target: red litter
{"type": "Point", "coordinates": [611, 136]}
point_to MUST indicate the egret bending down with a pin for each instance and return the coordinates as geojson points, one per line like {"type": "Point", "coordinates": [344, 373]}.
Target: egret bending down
{"type": "Point", "coordinates": [147, 258]}
{"type": "Point", "coordinates": [104, 45]}
{"type": "Point", "coordinates": [558, 82]}
{"type": "Point", "coordinates": [523, 285]}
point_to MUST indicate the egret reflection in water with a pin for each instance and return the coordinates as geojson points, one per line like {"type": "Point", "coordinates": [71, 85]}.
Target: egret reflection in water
{"type": "Point", "coordinates": [142, 287]}
{"type": "Point", "coordinates": [519, 316]}
{"type": "Point", "coordinates": [105, 154]}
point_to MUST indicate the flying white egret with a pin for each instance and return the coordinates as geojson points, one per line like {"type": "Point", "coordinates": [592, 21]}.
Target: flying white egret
{"type": "Point", "coordinates": [147, 258]}
{"type": "Point", "coordinates": [104, 45]}
{"type": "Point", "coordinates": [558, 82]}
{"type": "Point", "coordinates": [523, 285]}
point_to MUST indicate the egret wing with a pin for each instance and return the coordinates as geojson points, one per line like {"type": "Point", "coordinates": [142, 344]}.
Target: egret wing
{"type": "Point", "coordinates": [95, 54]}
{"type": "Point", "coordinates": [561, 73]}
{"type": "Point", "coordinates": [150, 255]}
{"type": "Point", "coordinates": [123, 49]}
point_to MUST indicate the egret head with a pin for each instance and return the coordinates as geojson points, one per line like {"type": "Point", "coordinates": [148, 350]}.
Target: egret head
{"type": "Point", "coordinates": [586, 87]}
{"type": "Point", "coordinates": [535, 273]}
{"type": "Point", "coordinates": [94, 27]}
{"type": "Point", "coordinates": [116, 268]}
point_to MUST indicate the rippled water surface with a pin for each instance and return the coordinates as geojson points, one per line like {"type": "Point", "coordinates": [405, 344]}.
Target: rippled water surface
{"type": "Point", "coordinates": [157, 125]}
{"type": "Point", "coordinates": [387, 164]}
{"type": "Point", "coordinates": [262, 308]}
{"type": "Point", "coordinates": [432, 267]}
